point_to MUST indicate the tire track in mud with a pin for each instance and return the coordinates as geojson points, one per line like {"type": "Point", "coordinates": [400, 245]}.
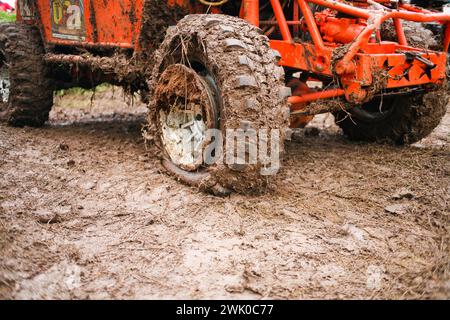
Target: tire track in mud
{"type": "Point", "coordinates": [127, 230]}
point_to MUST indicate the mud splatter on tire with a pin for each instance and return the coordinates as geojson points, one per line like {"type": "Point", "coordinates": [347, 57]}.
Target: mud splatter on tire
{"type": "Point", "coordinates": [408, 119]}
{"type": "Point", "coordinates": [233, 52]}
{"type": "Point", "coordinates": [31, 93]}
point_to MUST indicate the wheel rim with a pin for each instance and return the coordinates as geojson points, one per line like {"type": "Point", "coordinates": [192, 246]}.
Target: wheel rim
{"type": "Point", "coordinates": [183, 135]}
{"type": "Point", "coordinates": [5, 83]}
{"type": "Point", "coordinates": [187, 109]}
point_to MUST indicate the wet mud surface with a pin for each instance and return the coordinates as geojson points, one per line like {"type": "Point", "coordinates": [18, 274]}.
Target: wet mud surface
{"type": "Point", "coordinates": [87, 212]}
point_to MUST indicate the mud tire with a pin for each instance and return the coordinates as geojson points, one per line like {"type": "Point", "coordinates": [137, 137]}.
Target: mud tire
{"type": "Point", "coordinates": [250, 85]}
{"type": "Point", "coordinates": [31, 94]}
{"type": "Point", "coordinates": [410, 119]}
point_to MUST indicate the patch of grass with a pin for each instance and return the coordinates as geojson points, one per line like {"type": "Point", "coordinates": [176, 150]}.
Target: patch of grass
{"type": "Point", "coordinates": [80, 91]}
{"type": "Point", "coordinates": [7, 17]}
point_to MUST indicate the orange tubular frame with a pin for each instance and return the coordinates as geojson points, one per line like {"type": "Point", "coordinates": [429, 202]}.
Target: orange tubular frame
{"type": "Point", "coordinates": [317, 96]}
{"type": "Point", "coordinates": [365, 56]}
{"type": "Point", "coordinates": [316, 57]}
{"type": "Point", "coordinates": [250, 11]}
{"type": "Point", "coordinates": [279, 15]}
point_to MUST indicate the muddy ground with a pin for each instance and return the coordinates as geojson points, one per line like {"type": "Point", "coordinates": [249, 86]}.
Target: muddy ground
{"type": "Point", "coordinates": [344, 220]}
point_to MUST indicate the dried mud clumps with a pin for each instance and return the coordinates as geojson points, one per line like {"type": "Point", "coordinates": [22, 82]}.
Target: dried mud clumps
{"type": "Point", "coordinates": [133, 72]}
{"type": "Point", "coordinates": [380, 79]}
{"type": "Point", "coordinates": [430, 114]}
{"type": "Point", "coordinates": [250, 83]}
{"type": "Point", "coordinates": [157, 16]}
{"type": "Point", "coordinates": [123, 69]}
{"type": "Point", "coordinates": [31, 95]}
{"type": "Point", "coordinates": [407, 119]}
{"type": "Point", "coordinates": [416, 34]}
{"type": "Point", "coordinates": [328, 105]}
{"type": "Point", "coordinates": [339, 53]}
{"type": "Point", "coordinates": [410, 118]}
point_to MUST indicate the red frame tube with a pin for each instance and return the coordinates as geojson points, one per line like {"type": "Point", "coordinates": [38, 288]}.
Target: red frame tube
{"type": "Point", "coordinates": [357, 12]}
{"type": "Point", "coordinates": [400, 33]}
{"type": "Point", "coordinates": [295, 17]}
{"type": "Point", "coordinates": [413, 8]}
{"type": "Point", "coordinates": [311, 23]}
{"type": "Point", "coordinates": [316, 96]}
{"type": "Point", "coordinates": [282, 24]}
{"type": "Point", "coordinates": [346, 65]}
{"type": "Point", "coordinates": [250, 11]}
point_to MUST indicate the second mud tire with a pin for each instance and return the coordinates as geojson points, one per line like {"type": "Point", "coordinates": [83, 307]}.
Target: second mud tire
{"type": "Point", "coordinates": [402, 119]}
{"type": "Point", "coordinates": [30, 93]}
{"type": "Point", "coordinates": [233, 59]}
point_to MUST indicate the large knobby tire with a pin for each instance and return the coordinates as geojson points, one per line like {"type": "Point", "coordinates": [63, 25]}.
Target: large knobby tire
{"type": "Point", "coordinates": [402, 119]}
{"type": "Point", "coordinates": [30, 94]}
{"type": "Point", "coordinates": [245, 86]}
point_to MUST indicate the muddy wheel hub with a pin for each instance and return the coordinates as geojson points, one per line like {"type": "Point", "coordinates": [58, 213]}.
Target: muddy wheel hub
{"type": "Point", "coordinates": [186, 110]}
{"type": "Point", "coordinates": [4, 83]}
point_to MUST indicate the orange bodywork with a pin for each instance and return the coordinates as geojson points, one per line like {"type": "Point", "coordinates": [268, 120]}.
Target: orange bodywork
{"type": "Point", "coordinates": [106, 23]}
{"type": "Point", "coordinates": [365, 59]}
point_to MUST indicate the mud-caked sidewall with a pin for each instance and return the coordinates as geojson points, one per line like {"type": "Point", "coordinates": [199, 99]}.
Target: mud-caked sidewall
{"type": "Point", "coordinates": [31, 89]}
{"type": "Point", "coordinates": [409, 119]}
{"type": "Point", "coordinates": [249, 82]}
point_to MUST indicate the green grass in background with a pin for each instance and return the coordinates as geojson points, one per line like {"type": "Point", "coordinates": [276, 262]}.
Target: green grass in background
{"type": "Point", "coordinates": [80, 91]}
{"type": "Point", "coordinates": [7, 17]}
